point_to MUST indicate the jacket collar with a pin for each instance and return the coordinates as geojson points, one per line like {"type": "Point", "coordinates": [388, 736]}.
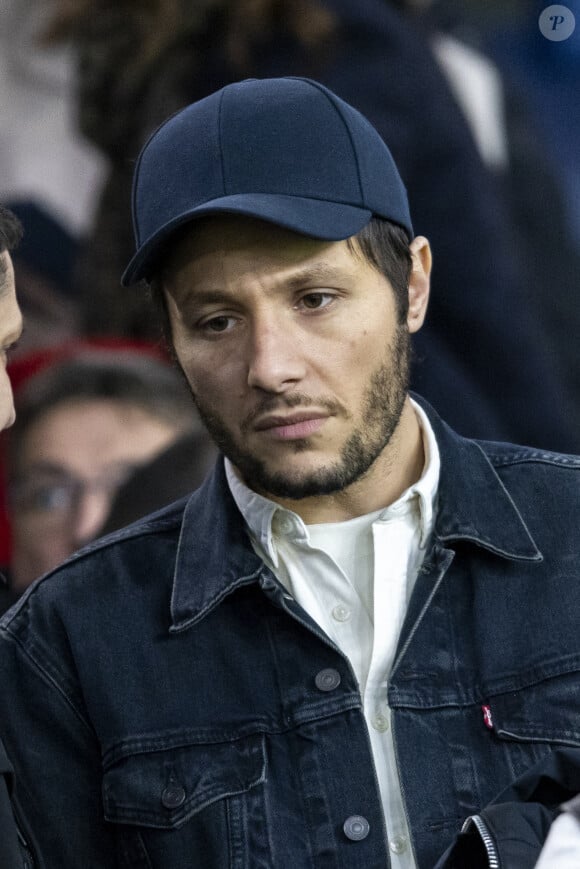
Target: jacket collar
{"type": "Point", "coordinates": [473, 503]}
{"type": "Point", "coordinates": [214, 554]}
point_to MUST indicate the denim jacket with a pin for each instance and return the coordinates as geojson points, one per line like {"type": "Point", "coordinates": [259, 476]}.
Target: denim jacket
{"type": "Point", "coordinates": [166, 704]}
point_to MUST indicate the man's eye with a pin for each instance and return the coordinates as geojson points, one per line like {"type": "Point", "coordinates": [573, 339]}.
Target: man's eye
{"type": "Point", "coordinates": [314, 301]}
{"type": "Point", "coordinates": [41, 498]}
{"type": "Point", "coordinates": [218, 324]}
{"type": "Point", "coordinates": [53, 498]}
{"type": "Point", "coordinates": [6, 352]}
{"type": "Point", "coordinates": [9, 350]}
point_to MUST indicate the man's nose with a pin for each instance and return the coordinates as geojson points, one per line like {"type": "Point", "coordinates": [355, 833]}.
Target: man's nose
{"type": "Point", "coordinates": [7, 412]}
{"type": "Point", "coordinates": [91, 512]}
{"type": "Point", "coordinates": [276, 356]}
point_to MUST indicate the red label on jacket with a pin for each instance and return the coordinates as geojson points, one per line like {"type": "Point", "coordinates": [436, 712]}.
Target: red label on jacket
{"type": "Point", "coordinates": [487, 719]}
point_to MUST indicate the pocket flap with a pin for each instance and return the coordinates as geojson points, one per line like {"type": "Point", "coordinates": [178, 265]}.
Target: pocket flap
{"type": "Point", "coordinates": [547, 711]}
{"type": "Point", "coordinates": [165, 788]}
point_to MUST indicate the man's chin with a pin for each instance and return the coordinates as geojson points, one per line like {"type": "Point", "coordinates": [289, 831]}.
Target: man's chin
{"type": "Point", "coordinates": [288, 483]}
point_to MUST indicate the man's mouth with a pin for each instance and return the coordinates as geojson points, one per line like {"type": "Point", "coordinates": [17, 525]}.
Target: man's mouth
{"type": "Point", "coordinates": [291, 426]}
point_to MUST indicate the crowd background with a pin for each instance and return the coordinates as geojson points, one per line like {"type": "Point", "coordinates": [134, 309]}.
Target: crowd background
{"type": "Point", "coordinates": [479, 110]}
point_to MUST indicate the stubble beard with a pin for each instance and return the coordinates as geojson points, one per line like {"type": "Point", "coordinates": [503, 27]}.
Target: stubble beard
{"type": "Point", "coordinates": [381, 412]}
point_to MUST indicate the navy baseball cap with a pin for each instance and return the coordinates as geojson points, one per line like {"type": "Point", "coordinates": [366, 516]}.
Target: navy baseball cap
{"type": "Point", "coordinates": [284, 150]}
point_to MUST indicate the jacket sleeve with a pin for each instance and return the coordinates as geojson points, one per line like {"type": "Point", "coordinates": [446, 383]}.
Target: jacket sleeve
{"type": "Point", "coordinates": [10, 854]}
{"type": "Point", "coordinates": [509, 833]}
{"type": "Point", "coordinates": [53, 749]}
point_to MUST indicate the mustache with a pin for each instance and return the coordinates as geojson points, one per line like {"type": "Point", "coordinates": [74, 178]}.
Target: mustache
{"type": "Point", "coordinates": [275, 403]}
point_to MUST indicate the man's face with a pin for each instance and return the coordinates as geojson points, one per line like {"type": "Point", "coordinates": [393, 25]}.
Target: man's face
{"type": "Point", "coordinates": [10, 331]}
{"type": "Point", "coordinates": [292, 350]}
{"type": "Point", "coordinates": [71, 463]}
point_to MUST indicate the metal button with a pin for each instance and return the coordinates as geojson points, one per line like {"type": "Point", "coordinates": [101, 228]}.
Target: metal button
{"type": "Point", "coordinates": [356, 828]}
{"type": "Point", "coordinates": [398, 844]}
{"type": "Point", "coordinates": [380, 722]}
{"type": "Point", "coordinates": [173, 796]}
{"type": "Point", "coordinates": [327, 680]}
{"type": "Point", "coordinates": [341, 613]}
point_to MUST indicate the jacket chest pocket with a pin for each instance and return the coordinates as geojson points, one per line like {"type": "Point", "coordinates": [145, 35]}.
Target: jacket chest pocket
{"type": "Point", "coordinates": [534, 719]}
{"type": "Point", "coordinates": [187, 805]}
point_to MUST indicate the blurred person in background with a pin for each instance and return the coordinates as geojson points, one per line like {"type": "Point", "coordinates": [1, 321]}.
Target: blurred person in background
{"type": "Point", "coordinates": [518, 90]}
{"type": "Point", "coordinates": [10, 330]}
{"type": "Point", "coordinates": [11, 324]}
{"type": "Point", "coordinates": [44, 158]}
{"type": "Point", "coordinates": [84, 425]}
{"type": "Point", "coordinates": [44, 265]}
{"type": "Point", "coordinates": [10, 314]}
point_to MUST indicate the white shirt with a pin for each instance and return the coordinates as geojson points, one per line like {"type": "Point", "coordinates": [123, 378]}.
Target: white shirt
{"type": "Point", "coordinates": [562, 847]}
{"type": "Point", "coordinates": [355, 580]}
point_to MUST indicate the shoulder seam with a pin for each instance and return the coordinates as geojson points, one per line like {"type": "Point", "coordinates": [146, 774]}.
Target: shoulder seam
{"type": "Point", "coordinates": [143, 528]}
{"type": "Point", "coordinates": [46, 677]}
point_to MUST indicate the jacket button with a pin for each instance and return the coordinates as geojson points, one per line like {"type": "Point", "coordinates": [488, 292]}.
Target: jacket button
{"type": "Point", "coordinates": [356, 828]}
{"type": "Point", "coordinates": [327, 680]}
{"type": "Point", "coordinates": [173, 796]}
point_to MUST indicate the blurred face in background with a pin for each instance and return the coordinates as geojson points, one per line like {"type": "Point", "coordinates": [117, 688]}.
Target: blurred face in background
{"type": "Point", "coordinates": [10, 330]}
{"type": "Point", "coordinates": [72, 460]}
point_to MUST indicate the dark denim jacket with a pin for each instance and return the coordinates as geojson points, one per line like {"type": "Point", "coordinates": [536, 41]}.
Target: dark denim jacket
{"type": "Point", "coordinates": [161, 706]}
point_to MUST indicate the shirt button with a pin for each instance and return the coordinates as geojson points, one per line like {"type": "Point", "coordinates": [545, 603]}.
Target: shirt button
{"type": "Point", "coordinates": [341, 613]}
{"type": "Point", "coordinates": [356, 828]}
{"type": "Point", "coordinates": [398, 844]}
{"type": "Point", "coordinates": [381, 723]}
{"type": "Point", "coordinates": [284, 524]}
{"type": "Point", "coordinates": [173, 796]}
{"type": "Point", "coordinates": [327, 680]}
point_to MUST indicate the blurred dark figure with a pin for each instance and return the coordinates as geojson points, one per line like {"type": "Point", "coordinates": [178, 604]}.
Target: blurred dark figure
{"type": "Point", "coordinates": [171, 475]}
{"type": "Point", "coordinates": [543, 81]}
{"type": "Point", "coordinates": [44, 263]}
{"type": "Point", "coordinates": [140, 61]}
{"type": "Point", "coordinates": [519, 93]}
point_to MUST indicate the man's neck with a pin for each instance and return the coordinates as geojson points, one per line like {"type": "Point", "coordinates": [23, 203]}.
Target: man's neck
{"type": "Point", "coordinates": [399, 466]}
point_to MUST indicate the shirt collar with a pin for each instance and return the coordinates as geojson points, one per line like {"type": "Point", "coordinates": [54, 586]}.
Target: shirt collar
{"type": "Point", "coordinates": [214, 555]}
{"type": "Point", "coordinates": [259, 511]}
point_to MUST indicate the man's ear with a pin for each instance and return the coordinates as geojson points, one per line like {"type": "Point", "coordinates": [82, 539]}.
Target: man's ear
{"type": "Point", "coordinates": [419, 282]}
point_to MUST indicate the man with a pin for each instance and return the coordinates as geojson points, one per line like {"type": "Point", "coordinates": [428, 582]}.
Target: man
{"type": "Point", "coordinates": [10, 331]}
{"type": "Point", "coordinates": [362, 627]}
{"type": "Point", "coordinates": [85, 424]}
{"type": "Point", "coordinates": [10, 315]}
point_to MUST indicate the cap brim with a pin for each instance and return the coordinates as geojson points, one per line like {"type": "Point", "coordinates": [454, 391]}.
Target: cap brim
{"type": "Point", "coordinates": [328, 221]}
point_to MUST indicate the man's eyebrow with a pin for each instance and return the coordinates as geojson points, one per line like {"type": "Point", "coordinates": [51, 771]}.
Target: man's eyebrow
{"type": "Point", "coordinates": [315, 275]}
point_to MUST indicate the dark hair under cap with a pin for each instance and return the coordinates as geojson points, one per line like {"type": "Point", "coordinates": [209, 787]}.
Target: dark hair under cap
{"type": "Point", "coordinates": [10, 229]}
{"type": "Point", "coordinates": [284, 150]}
